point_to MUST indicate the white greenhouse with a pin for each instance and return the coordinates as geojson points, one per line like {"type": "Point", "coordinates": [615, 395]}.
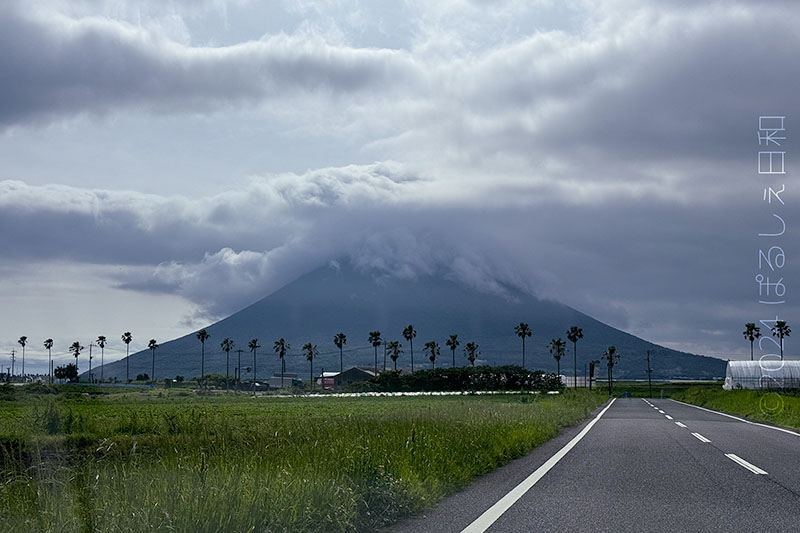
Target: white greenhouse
{"type": "Point", "coordinates": [767, 374]}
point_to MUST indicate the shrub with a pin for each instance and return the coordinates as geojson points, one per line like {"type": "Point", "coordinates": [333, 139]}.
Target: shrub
{"type": "Point", "coordinates": [479, 378]}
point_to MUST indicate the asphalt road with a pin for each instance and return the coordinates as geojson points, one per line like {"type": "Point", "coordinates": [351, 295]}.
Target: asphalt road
{"type": "Point", "coordinates": [642, 466]}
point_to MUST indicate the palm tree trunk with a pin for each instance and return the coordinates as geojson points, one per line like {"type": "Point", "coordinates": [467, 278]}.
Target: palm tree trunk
{"type": "Point", "coordinates": [227, 368]}
{"type": "Point", "coordinates": [751, 350]}
{"type": "Point", "coordinates": [283, 370]}
{"type": "Point", "coordinates": [50, 364]}
{"type": "Point", "coordinates": [202, 360]}
{"type": "Point", "coordinates": [411, 343]}
{"type": "Point", "coordinates": [454, 357]}
{"type": "Point", "coordinates": [127, 362]}
{"type": "Point", "coordinates": [153, 367]}
{"type": "Point", "coordinates": [376, 360]}
{"type": "Point", "coordinates": [341, 361]}
{"type": "Point", "coordinates": [311, 374]}
{"type": "Point", "coordinates": [395, 365]}
{"type": "Point", "coordinates": [102, 361]}
{"type": "Point", "coordinates": [558, 368]}
{"type": "Point", "coordinates": [254, 372]}
{"type": "Point", "coordinates": [609, 380]}
{"type": "Point", "coordinates": [523, 352]}
{"type": "Point", "coordinates": [575, 363]}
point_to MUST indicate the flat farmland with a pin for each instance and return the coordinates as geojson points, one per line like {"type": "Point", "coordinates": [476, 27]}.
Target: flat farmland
{"type": "Point", "coordinates": [176, 461]}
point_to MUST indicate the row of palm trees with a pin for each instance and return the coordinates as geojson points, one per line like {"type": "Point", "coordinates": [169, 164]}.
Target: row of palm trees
{"type": "Point", "coordinates": [392, 349]}
{"type": "Point", "coordinates": [752, 332]}
{"type": "Point", "coordinates": [75, 349]}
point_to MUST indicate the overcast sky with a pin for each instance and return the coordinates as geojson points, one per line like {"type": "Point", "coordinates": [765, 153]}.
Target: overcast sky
{"type": "Point", "coordinates": [165, 163]}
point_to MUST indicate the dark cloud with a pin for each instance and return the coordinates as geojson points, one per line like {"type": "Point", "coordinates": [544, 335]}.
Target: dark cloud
{"type": "Point", "coordinates": [56, 67]}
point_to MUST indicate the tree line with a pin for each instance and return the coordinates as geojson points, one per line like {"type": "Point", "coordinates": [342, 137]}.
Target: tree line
{"type": "Point", "coordinates": [392, 349]}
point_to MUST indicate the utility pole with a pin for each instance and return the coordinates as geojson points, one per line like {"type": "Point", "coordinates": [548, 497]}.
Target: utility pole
{"type": "Point", "coordinates": [239, 366]}
{"type": "Point", "coordinates": [90, 361]}
{"type": "Point", "coordinates": [649, 372]}
{"type": "Point", "coordinates": [13, 360]}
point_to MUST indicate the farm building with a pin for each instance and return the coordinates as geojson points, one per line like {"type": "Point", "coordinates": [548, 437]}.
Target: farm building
{"type": "Point", "coordinates": [326, 379]}
{"type": "Point", "coordinates": [288, 380]}
{"type": "Point", "coordinates": [352, 375]}
{"type": "Point", "coordinates": [767, 374]}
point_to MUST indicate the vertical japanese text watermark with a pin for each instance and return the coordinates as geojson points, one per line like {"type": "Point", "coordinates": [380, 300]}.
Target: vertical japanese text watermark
{"type": "Point", "coordinates": [770, 279]}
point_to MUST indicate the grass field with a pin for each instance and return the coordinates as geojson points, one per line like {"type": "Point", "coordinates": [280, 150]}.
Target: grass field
{"type": "Point", "coordinates": [144, 461]}
{"type": "Point", "coordinates": [640, 389]}
{"type": "Point", "coordinates": [771, 407]}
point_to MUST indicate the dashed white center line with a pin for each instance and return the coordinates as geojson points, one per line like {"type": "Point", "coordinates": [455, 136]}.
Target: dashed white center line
{"type": "Point", "coordinates": [680, 425]}
{"type": "Point", "coordinates": [700, 437]}
{"type": "Point", "coordinates": [741, 462]}
{"type": "Point", "coordinates": [660, 411]}
{"type": "Point", "coordinates": [668, 417]}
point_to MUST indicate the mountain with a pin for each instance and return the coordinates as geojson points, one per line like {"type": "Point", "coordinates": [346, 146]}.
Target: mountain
{"type": "Point", "coordinates": [336, 298]}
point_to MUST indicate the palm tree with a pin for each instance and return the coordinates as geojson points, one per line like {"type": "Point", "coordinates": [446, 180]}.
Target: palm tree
{"type": "Point", "coordinates": [281, 347]}
{"type": "Point", "coordinates": [127, 338]}
{"type": "Point", "coordinates": [239, 370]}
{"type": "Point", "coordinates": [76, 349]}
{"type": "Point", "coordinates": [409, 333]}
{"type": "Point", "coordinates": [227, 346]}
{"type": "Point", "coordinates": [611, 356]}
{"type": "Point", "coordinates": [432, 348]}
{"type": "Point", "coordinates": [22, 342]}
{"type": "Point", "coordinates": [101, 342]}
{"type": "Point", "coordinates": [751, 333]}
{"type": "Point", "coordinates": [557, 347]}
{"type": "Point", "coordinates": [253, 345]}
{"type": "Point", "coordinates": [311, 352]}
{"type": "Point", "coordinates": [340, 339]}
{"type": "Point", "coordinates": [395, 351]}
{"type": "Point", "coordinates": [574, 334]}
{"type": "Point", "coordinates": [375, 340]}
{"type": "Point", "coordinates": [48, 343]}
{"type": "Point", "coordinates": [453, 343]}
{"type": "Point", "coordinates": [202, 336]}
{"type": "Point", "coordinates": [780, 330]}
{"type": "Point", "coordinates": [152, 344]}
{"type": "Point", "coordinates": [523, 330]}
{"type": "Point", "coordinates": [471, 351]}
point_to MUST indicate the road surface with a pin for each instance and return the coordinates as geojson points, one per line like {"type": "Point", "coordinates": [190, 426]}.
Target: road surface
{"type": "Point", "coordinates": [637, 465]}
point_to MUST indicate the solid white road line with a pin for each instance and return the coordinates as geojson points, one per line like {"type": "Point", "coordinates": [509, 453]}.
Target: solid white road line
{"type": "Point", "coordinates": [680, 425]}
{"type": "Point", "coordinates": [739, 419]}
{"type": "Point", "coordinates": [490, 516]}
{"type": "Point", "coordinates": [700, 437]}
{"type": "Point", "coordinates": [668, 417]}
{"type": "Point", "coordinates": [753, 468]}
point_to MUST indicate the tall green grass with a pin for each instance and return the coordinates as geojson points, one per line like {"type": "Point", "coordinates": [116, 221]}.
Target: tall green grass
{"type": "Point", "coordinates": [137, 462]}
{"type": "Point", "coordinates": [764, 406]}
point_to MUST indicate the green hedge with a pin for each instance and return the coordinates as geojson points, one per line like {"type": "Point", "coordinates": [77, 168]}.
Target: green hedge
{"type": "Point", "coordinates": [478, 378]}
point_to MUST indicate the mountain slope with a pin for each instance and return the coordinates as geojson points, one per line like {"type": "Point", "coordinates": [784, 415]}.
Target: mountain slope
{"type": "Point", "coordinates": [322, 303]}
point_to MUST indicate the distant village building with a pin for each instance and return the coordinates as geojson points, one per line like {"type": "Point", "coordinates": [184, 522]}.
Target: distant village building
{"type": "Point", "coordinates": [352, 375]}
{"type": "Point", "coordinates": [326, 380]}
{"type": "Point", "coordinates": [289, 380]}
